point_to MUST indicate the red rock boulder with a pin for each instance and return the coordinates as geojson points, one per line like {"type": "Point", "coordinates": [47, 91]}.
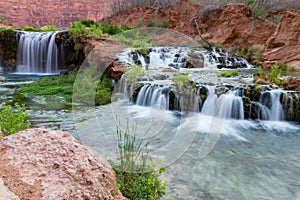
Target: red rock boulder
{"type": "Point", "coordinates": [47, 164]}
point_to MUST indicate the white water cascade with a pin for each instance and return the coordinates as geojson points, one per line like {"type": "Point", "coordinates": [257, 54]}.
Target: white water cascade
{"type": "Point", "coordinates": [271, 108]}
{"type": "Point", "coordinates": [38, 53]}
{"type": "Point", "coordinates": [152, 96]}
{"type": "Point", "coordinates": [226, 106]}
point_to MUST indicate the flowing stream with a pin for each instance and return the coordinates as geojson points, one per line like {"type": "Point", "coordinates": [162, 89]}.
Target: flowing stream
{"type": "Point", "coordinates": [212, 147]}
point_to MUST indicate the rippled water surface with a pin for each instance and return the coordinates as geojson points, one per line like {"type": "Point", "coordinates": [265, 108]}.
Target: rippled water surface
{"type": "Point", "coordinates": [205, 157]}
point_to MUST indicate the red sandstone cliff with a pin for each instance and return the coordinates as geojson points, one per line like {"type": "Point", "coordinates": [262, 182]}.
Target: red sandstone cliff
{"type": "Point", "coordinates": [283, 46]}
{"type": "Point", "coordinates": [52, 12]}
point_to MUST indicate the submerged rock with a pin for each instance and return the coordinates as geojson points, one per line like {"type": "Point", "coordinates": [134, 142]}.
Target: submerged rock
{"type": "Point", "coordinates": [47, 164]}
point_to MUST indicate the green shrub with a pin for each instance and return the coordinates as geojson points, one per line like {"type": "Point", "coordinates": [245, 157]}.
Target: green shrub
{"type": "Point", "coordinates": [91, 89]}
{"type": "Point", "coordinates": [133, 73]}
{"type": "Point", "coordinates": [135, 38]}
{"type": "Point", "coordinates": [274, 74]}
{"type": "Point", "coordinates": [93, 30]}
{"type": "Point", "coordinates": [29, 28]}
{"type": "Point", "coordinates": [135, 178]}
{"type": "Point", "coordinates": [181, 80]}
{"type": "Point", "coordinates": [3, 19]}
{"type": "Point", "coordinates": [161, 24]}
{"type": "Point", "coordinates": [48, 28]}
{"type": "Point", "coordinates": [87, 22]}
{"type": "Point", "coordinates": [230, 73]}
{"type": "Point", "coordinates": [12, 119]}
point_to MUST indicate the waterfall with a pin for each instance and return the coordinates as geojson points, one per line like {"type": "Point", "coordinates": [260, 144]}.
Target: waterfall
{"type": "Point", "coordinates": [271, 107]}
{"type": "Point", "coordinates": [150, 96]}
{"type": "Point", "coordinates": [38, 53]}
{"type": "Point", "coordinates": [228, 105]}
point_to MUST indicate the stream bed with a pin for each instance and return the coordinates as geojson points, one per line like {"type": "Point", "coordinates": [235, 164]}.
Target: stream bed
{"type": "Point", "coordinates": [205, 157]}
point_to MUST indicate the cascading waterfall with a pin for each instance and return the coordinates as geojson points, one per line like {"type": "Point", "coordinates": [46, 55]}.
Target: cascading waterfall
{"type": "Point", "coordinates": [184, 57]}
{"type": "Point", "coordinates": [227, 101]}
{"type": "Point", "coordinates": [150, 96]}
{"type": "Point", "coordinates": [271, 107]}
{"type": "Point", "coordinates": [38, 53]}
{"type": "Point", "coordinates": [227, 106]}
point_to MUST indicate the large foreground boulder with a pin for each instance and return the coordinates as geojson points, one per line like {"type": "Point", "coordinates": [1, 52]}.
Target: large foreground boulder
{"type": "Point", "coordinates": [47, 164]}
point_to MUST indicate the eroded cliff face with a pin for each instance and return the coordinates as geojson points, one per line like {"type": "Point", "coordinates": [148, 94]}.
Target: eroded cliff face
{"type": "Point", "coordinates": [283, 47]}
{"type": "Point", "coordinates": [52, 12]}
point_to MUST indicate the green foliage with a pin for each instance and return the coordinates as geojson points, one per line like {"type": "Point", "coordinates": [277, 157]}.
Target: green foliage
{"type": "Point", "coordinates": [93, 30]}
{"type": "Point", "coordinates": [2, 29]}
{"type": "Point", "coordinates": [29, 28]}
{"type": "Point", "coordinates": [12, 119]}
{"type": "Point", "coordinates": [258, 11]}
{"type": "Point", "coordinates": [42, 29]}
{"type": "Point", "coordinates": [3, 19]}
{"type": "Point", "coordinates": [181, 80]}
{"type": "Point", "coordinates": [86, 28]}
{"type": "Point", "coordinates": [56, 85]}
{"type": "Point", "coordinates": [91, 89]}
{"type": "Point", "coordinates": [274, 74]}
{"type": "Point", "coordinates": [230, 73]}
{"type": "Point", "coordinates": [135, 179]}
{"type": "Point", "coordinates": [249, 2]}
{"type": "Point", "coordinates": [250, 53]}
{"type": "Point", "coordinates": [135, 38]}
{"type": "Point", "coordinates": [48, 28]}
{"type": "Point", "coordinates": [161, 24]}
{"type": "Point", "coordinates": [133, 73]}
{"type": "Point", "coordinates": [62, 86]}
{"type": "Point", "coordinates": [276, 19]}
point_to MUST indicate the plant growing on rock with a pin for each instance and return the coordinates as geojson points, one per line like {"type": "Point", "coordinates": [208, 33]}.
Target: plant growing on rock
{"type": "Point", "coordinates": [92, 30]}
{"type": "Point", "coordinates": [273, 76]}
{"type": "Point", "coordinates": [12, 119]}
{"type": "Point", "coordinates": [135, 178]}
{"type": "Point", "coordinates": [42, 29]}
{"type": "Point", "coordinates": [133, 73]}
{"type": "Point", "coordinates": [181, 80]}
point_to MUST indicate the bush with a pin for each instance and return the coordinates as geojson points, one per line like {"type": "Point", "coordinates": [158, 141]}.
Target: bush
{"type": "Point", "coordinates": [48, 28]}
{"type": "Point", "coordinates": [91, 89]}
{"type": "Point", "coordinates": [135, 179]}
{"type": "Point", "coordinates": [274, 74]}
{"type": "Point", "coordinates": [93, 30]}
{"type": "Point", "coordinates": [160, 24]}
{"type": "Point", "coordinates": [12, 119]}
{"type": "Point", "coordinates": [181, 80]}
{"type": "Point", "coordinates": [42, 29]}
{"type": "Point", "coordinates": [29, 28]}
{"type": "Point", "coordinates": [133, 73]}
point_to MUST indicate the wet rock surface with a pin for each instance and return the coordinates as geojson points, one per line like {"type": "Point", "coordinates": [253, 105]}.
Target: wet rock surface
{"type": "Point", "coordinates": [45, 164]}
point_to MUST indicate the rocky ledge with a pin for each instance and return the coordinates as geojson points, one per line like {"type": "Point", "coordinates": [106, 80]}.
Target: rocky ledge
{"type": "Point", "coordinates": [46, 164]}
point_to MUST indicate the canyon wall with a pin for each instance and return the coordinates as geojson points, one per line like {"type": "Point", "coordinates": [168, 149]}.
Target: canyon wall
{"type": "Point", "coordinates": [52, 12]}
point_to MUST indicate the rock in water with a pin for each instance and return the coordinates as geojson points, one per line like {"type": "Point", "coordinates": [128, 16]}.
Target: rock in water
{"type": "Point", "coordinates": [2, 79]}
{"type": "Point", "coordinates": [47, 164]}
